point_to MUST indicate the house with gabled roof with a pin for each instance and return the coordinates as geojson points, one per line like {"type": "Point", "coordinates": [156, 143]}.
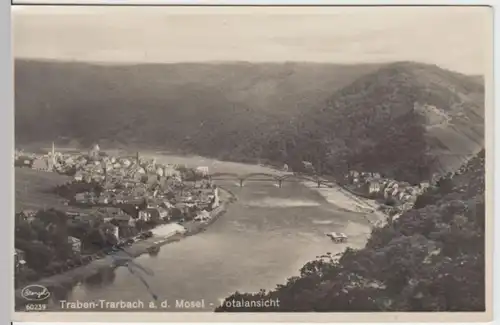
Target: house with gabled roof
{"type": "Point", "coordinates": [76, 244]}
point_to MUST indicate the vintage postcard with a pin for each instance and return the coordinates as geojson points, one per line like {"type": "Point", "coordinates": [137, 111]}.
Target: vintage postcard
{"type": "Point", "coordinates": [234, 164]}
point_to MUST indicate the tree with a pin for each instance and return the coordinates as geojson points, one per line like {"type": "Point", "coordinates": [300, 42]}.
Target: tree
{"type": "Point", "coordinates": [25, 231]}
{"type": "Point", "coordinates": [51, 216]}
{"type": "Point", "coordinates": [38, 256]}
{"type": "Point", "coordinates": [95, 240]}
{"type": "Point", "coordinates": [445, 184]}
{"type": "Point", "coordinates": [130, 209]}
{"type": "Point", "coordinates": [176, 214]}
{"type": "Point", "coordinates": [170, 195]}
{"type": "Point", "coordinates": [27, 275]}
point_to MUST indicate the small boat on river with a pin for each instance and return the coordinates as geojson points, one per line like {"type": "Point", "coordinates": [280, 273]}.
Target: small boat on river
{"type": "Point", "coordinates": [337, 237]}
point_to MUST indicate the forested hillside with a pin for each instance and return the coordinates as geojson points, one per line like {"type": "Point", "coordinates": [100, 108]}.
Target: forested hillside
{"type": "Point", "coordinates": [208, 107]}
{"type": "Point", "coordinates": [431, 258]}
{"type": "Point", "coordinates": [403, 119]}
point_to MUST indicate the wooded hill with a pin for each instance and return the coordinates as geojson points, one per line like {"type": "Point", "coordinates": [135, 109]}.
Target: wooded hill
{"type": "Point", "coordinates": [404, 119]}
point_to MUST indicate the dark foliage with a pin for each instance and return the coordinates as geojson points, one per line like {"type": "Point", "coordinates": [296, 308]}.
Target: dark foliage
{"type": "Point", "coordinates": [336, 117]}
{"type": "Point", "coordinates": [69, 190]}
{"type": "Point", "coordinates": [44, 241]}
{"type": "Point", "coordinates": [432, 258]}
{"type": "Point", "coordinates": [23, 162]}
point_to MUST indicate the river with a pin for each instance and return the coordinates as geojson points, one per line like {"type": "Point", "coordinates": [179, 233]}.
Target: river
{"type": "Point", "coordinates": [265, 237]}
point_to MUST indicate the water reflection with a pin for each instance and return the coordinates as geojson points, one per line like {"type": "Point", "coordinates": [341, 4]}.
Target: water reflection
{"type": "Point", "coordinates": [100, 279]}
{"type": "Point", "coordinates": [60, 292]}
{"type": "Point", "coordinates": [266, 236]}
{"type": "Point", "coordinates": [154, 251]}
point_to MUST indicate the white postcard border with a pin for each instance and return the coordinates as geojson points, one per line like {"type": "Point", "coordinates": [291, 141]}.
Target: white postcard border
{"type": "Point", "coordinates": [8, 199]}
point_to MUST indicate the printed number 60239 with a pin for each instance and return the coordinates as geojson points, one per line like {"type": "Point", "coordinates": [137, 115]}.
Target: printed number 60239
{"type": "Point", "coordinates": [36, 307]}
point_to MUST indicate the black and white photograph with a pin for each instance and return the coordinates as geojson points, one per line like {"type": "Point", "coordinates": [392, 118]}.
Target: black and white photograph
{"type": "Point", "coordinates": [210, 160]}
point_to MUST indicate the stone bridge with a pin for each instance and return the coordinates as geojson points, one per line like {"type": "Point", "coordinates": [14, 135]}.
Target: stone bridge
{"type": "Point", "coordinates": [268, 177]}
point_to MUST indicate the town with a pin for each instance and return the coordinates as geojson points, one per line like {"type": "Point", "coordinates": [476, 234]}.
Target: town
{"type": "Point", "coordinates": [112, 203]}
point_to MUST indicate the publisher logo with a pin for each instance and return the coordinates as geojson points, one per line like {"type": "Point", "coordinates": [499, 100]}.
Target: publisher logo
{"type": "Point", "coordinates": [35, 292]}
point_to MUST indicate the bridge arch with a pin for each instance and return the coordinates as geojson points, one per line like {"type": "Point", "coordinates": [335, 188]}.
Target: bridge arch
{"type": "Point", "coordinates": [242, 178]}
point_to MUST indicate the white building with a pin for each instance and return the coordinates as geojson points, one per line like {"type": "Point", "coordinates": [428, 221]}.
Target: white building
{"type": "Point", "coordinates": [170, 171]}
{"type": "Point", "coordinates": [216, 198]}
{"type": "Point", "coordinates": [144, 215]}
{"type": "Point", "coordinates": [203, 170]}
{"type": "Point", "coordinates": [115, 232]}
{"type": "Point", "coordinates": [163, 213]}
{"type": "Point", "coordinates": [76, 244]}
{"type": "Point", "coordinates": [203, 216]}
{"type": "Point", "coordinates": [78, 177]}
{"type": "Point", "coordinates": [374, 187]}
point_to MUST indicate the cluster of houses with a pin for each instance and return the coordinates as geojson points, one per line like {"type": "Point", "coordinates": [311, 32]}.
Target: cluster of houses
{"type": "Point", "coordinates": [52, 161]}
{"type": "Point", "coordinates": [375, 186]}
{"type": "Point", "coordinates": [124, 169]}
{"type": "Point", "coordinates": [162, 186]}
{"type": "Point", "coordinates": [30, 215]}
{"type": "Point", "coordinates": [95, 165]}
{"type": "Point", "coordinates": [116, 220]}
{"type": "Point", "coordinates": [124, 179]}
{"type": "Point", "coordinates": [155, 190]}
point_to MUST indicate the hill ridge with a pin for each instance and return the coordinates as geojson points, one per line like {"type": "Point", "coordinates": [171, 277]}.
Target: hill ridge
{"type": "Point", "coordinates": [237, 111]}
{"type": "Point", "coordinates": [385, 102]}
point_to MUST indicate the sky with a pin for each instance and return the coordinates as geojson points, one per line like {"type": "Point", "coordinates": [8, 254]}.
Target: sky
{"type": "Point", "coordinates": [455, 38]}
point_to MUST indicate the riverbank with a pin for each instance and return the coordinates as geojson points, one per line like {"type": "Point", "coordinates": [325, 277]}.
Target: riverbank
{"type": "Point", "coordinates": [336, 195]}
{"type": "Point", "coordinates": [135, 250]}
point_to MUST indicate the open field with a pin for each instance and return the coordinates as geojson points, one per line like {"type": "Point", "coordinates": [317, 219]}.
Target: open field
{"type": "Point", "coordinates": [32, 189]}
